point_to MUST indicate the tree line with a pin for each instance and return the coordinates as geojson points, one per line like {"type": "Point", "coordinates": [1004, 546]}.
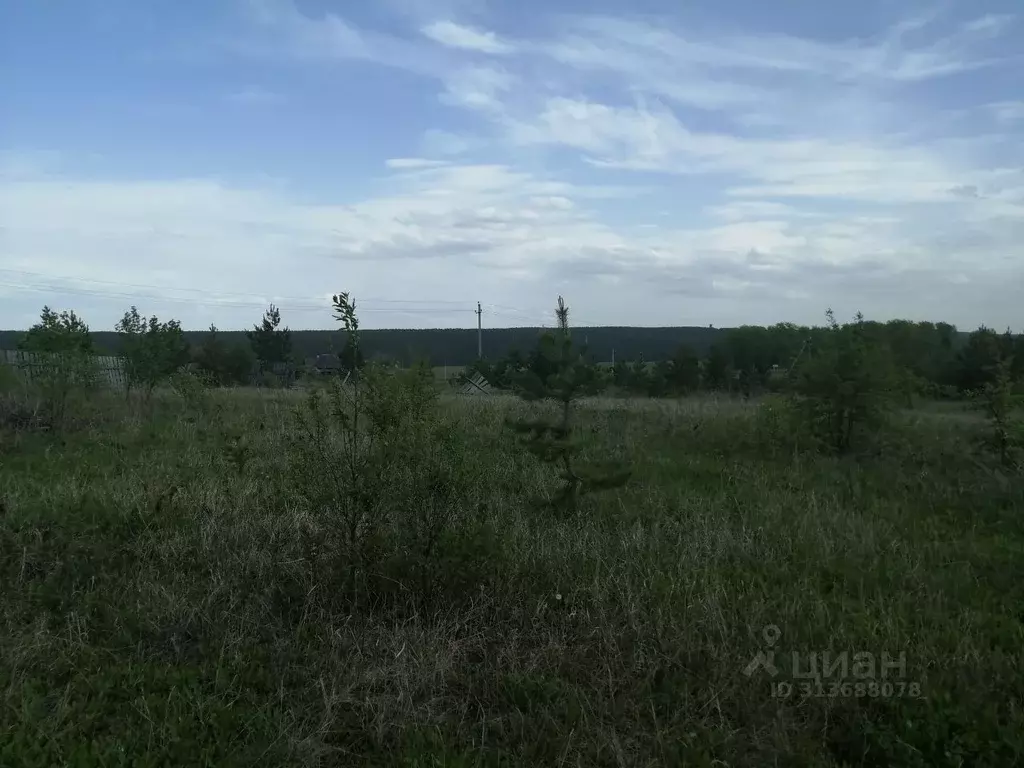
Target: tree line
{"type": "Point", "coordinates": [454, 347]}
{"type": "Point", "coordinates": [929, 359]}
{"type": "Point", "coordinates": [153, 350]}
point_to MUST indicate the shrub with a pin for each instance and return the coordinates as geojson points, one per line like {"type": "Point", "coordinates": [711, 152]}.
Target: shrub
{"type": "Point", "coordinates": [63, 369]}
{"type": "Point", "coordinates": [778, 427]}
{"type": "Point", "coordinates": [845, 384]}
{"type": "Point", "coordinates": [193, 389]}
{"type": "Point", "coordinates": [20, 410]}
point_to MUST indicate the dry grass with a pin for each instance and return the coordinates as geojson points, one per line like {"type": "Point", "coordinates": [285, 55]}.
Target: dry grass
{"type": "Point", "coordinates": [158, 610]}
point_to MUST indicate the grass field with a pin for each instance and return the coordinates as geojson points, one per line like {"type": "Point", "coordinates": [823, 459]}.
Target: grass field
{"type": "Point", "coordinates": [157, 606]}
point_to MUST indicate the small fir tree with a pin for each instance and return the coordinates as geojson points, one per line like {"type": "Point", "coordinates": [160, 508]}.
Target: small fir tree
{"type": "Point", "coordinates": [552, 440]}
{"type": "Point", "coordinates": [998, 402]}
{"type": "Point", "coordinates": [271, 345]}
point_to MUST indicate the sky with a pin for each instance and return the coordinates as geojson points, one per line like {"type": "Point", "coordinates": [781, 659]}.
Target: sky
{"type": "Point", "coordinates": [655, 162]}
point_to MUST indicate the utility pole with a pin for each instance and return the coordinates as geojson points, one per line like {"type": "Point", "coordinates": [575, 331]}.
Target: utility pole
{"type": "Point", "coordinates": [479, 332]}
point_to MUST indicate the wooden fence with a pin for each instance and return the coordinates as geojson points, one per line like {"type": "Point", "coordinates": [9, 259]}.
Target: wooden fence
{"type": "Point", "coordinates": [34, 365]}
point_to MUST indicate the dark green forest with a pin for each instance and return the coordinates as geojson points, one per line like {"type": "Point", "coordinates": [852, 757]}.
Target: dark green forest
{"type": "Point", "coordinates": [453, 346]}
{"type": "Point", "coordinates": [933, 360]}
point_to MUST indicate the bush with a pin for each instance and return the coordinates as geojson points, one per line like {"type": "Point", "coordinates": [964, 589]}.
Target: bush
{"type": "Point", "coordinates": [194, 390]}
{"type": "Point", "coordinates": [20, 410]}
{"type": "Point", "coordinates": [845, 386]}
{"type": "Point", "coordinates": [63, 371]}
{"type": "Point", "coordinates": [778, 427]}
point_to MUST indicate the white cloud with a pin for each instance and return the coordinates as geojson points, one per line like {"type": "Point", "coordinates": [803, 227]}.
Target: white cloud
{"type": "Point", "coordinates": [462, 233]}
{"type": "Point", "coordinates": [404, 163]}
{"type": "Point", "coordinates": [990, 23]}
{"type": "Point", "coordinates": [1008, 112]}
{"type": "Point", "coordinates": [740, 210]}
{"type": "Point", "coordinates": [255, 95]}
{"type": "Point", "coordinates": [457, 36]}
{"type": "Point", "coordinates": [654, 140]}
{"type": "Point", "coordinates": [279, 29]}
{"type": "Point", "coordinates": [636, 47]}
{"type": "Point", "coordinates": [477, 88]}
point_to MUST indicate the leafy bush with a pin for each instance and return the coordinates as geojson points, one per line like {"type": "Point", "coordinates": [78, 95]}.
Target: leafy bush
{"type": "Point", "coordinates": [193, 389]}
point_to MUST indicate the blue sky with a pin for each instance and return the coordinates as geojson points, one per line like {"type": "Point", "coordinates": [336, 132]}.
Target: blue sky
{"type": "Point", "coordinates": [656, 162]}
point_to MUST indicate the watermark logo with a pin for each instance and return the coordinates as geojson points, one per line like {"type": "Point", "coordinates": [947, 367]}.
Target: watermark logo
{"type": "Point", "coordinates": [765, 659]}
{"type": "Point", "coordinates": [832, 674]}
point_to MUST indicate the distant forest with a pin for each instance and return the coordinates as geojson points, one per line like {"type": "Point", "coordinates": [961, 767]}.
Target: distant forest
{"type": "Point", "coordinates": [458, 346]}
{"type": "Point", "coordinates": [934, 358]}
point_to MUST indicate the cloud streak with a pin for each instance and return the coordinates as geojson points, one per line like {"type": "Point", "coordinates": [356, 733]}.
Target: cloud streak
{"type": "Point", "coordinates": [466, 38]}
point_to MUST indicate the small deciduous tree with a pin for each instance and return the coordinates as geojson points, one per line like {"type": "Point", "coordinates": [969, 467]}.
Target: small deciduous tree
{"type": "Point", "coordinates": [151, 350]}
{"type": "Point", "coordinates": [552, 440]}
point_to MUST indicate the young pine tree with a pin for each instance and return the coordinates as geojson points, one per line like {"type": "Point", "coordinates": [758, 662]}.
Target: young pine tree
{"type": "Point", "coordinates": [844, 383]}
{"type": "Point", "coordinates": [997, 399]}
{"type": "Point", "coordinates": [552, 440]}
{"type": "Point", "coordinates": [272, 345]}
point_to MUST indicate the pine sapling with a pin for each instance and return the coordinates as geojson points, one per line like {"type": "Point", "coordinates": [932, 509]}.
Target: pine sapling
{"type": "Point", "coordinates": [998, 402]}
{"type": "Point", "coordinates": [552, 440]}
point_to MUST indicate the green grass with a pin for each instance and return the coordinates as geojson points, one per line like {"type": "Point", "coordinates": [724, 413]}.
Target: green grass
{"type": "Point", "coordinates": [157, 607]}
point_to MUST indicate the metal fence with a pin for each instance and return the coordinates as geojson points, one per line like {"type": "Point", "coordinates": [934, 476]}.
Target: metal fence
{"type": "Point", "coordinates": [35, 365]}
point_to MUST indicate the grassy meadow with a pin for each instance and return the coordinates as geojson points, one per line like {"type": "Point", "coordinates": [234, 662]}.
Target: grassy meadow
{"type": "Point", "coordinates": [169, 596]}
